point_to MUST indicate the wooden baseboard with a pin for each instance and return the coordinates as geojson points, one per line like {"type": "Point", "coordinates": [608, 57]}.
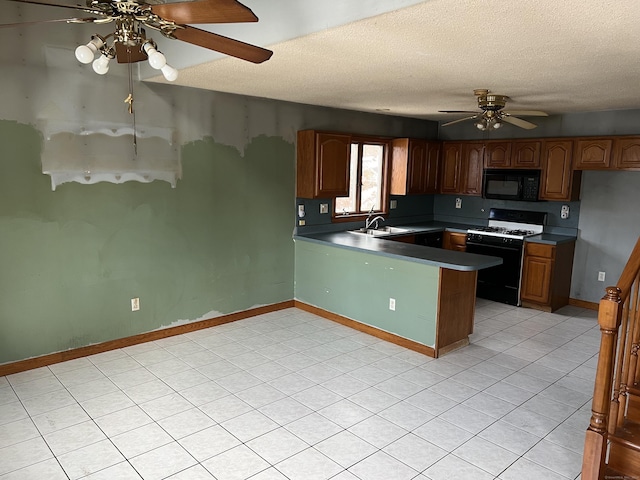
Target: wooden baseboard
{"type": "Point", "coordinates": [584, 304]}
{"type": "Point", "coordinates": [376, 332]}
{"type": "Point", "coordinates": [52, 358]}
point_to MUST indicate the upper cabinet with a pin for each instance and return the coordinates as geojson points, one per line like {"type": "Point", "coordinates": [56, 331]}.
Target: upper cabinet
{"type": "Point", "coordinates": [525, 154]}
{"type": "Point", "coordinates": [559, 181]}
{"type": "Point", "coordinates": [322, 164]}
{"type": "Point", "coordinates": [512, 154]}
{"type": "Point", "coordinates": [462, 168]}
{"type": "Point", "coordinates": [472, 155]}
{"type": "Point", "coordinates": [497, 154]}
{"type": "Point", "coordinates": [451, 167]}
{"type": "Point", "coordinates": [626, 152]}
{"type": "Point", "coordinates": [414, 166]}
{"type": "Point", "coordinates": [593, 153]}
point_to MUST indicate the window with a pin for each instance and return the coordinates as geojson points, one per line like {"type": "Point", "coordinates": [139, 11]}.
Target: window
{"type": "Point", "coordinates": [367, 176]}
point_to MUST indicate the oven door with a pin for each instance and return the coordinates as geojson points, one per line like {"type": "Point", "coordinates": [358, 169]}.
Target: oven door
{"type": "Point", "coordinates": [502, 282]}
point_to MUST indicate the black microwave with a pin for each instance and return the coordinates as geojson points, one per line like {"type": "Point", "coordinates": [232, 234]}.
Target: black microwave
{"type": "Point", "coordinates": [520, 185]}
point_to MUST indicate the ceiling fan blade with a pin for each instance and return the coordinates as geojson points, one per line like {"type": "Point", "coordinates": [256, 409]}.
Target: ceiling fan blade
{"type": "Point", "coordinates": [457, 111]}
{"type": "Point", "coordinates": [527, 113]}
{"type": "Point", "coordinates": [205, 11]}
{"type": "Point", "coordinates": [459, 120]}
{"type": "Point", "coordinates": [228, 46]}
{"type": "Point", "coordinates": [518, 122]}
{"type": "Point", "coordinates": [60, 20]}
{"type": "Point", "coordinates": [47, 4]}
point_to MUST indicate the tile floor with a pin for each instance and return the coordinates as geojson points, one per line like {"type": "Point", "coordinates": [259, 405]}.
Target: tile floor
{"type": "Point", "coordinates": [289, 395]}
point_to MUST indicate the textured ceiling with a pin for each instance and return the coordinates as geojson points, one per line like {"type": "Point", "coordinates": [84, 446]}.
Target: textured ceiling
{"type": "Point", "coordinates": [557, 56]}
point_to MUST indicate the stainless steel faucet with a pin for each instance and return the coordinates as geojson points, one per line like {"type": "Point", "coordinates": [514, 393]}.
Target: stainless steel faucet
{"type": "Point", "coordinates": [372, 221]}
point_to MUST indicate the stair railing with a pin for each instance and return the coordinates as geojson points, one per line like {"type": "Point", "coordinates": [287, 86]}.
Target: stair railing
{"type": "Point", "coordinates": [617, 368]}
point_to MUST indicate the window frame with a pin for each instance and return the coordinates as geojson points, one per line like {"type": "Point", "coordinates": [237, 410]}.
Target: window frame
{"type": "Point", "coordinates": [360, 140]}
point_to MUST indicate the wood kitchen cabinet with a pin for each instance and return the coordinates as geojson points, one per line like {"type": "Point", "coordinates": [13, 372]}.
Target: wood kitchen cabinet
{"type": "Point", "coordinates": [546, 275]}
{"type": "Point", "coordinates": [626, 153]}
{"type": "Point", "coordinates": [414, 166]}
{"type": "Point", "coordinates": [558, 180]}
{"type": "Point", "coordinates": [526, 154]}
{"type": "Point", "coordinates": [593, 153]}
{"type": "Point", "coordinates": [472, 163]}
{"type": "Point", "coordinates": [322, 164]}
{"type": "Point", "coordinates": [497, 154]}
{"type": "Point", "coordinates": [462, 164]}
{"type": "Point", "coordinates": [454, 241]}
{"type": "Point", "coordinates": [512, 154]}
{"type": "Point", "coordinates": [451, 166]}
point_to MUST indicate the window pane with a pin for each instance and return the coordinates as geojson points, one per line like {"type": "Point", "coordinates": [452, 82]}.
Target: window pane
{"type": "Point", "coordinates": [348, 204]}
{"type": "Point", "coordinates": [371, 194]}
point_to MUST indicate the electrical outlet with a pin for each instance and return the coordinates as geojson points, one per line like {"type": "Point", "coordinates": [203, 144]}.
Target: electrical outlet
{"type": "Point", "coordinates": [601, 276]}
{"type": "Point", "coordinates": [458, 202]}
{"type": "Point", "coordinates": [564, 212]}
{"type": "Point", "coordinates": [392, 304]}
{"type": "Point", "coordinates": [301, 211]}
{"type": "Point", "coordinates": [135, 304]}
{"type": "Point", "coordinates": [324, 208]}
{"type": "Point", "coordinates": [393, 204]}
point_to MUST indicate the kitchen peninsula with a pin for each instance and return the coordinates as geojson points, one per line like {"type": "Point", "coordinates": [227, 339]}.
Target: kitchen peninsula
{"type": "Point", "coordinates": [420, 297]}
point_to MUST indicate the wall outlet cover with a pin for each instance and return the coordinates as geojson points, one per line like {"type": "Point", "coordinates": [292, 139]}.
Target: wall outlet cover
{"type": "Point", "coordinates": [324, 208]}
{"type": "Point", "coordinates": [458, 202]}
{"type": "Point", "coordinates": [393, 204]}
{"type": "Point", "coordinates": [301, 211]}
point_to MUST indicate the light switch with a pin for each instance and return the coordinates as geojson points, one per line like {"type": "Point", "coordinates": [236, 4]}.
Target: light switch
{"type": "Point", "coordinates": [324, 208]}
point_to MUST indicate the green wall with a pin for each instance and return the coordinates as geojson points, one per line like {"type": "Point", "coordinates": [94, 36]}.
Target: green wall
{"type": "Point", "coordinates": [358, 286]}
{"type": "Point", "coordinates": [71, 260]}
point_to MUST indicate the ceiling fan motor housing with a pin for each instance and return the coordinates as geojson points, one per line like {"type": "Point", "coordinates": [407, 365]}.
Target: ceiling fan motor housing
{"type": "Point", "coordinates": [492, 102]}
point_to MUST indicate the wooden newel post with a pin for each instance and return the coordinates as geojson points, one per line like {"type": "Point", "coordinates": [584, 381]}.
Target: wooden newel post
{"type": "Point", "coordinates": [609, 315]}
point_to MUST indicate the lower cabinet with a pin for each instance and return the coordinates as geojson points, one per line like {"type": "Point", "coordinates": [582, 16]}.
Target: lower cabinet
{"type": "Point", "coordinates": [404, 238]}
{"type": "Point", "coordinates": [454, 241]}
{"type": "Point", "coordinates": [546, 275]}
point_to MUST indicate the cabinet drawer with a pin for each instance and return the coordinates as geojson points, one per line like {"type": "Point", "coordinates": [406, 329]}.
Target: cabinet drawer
{"type": "Point", "coordinates": [540, 250]}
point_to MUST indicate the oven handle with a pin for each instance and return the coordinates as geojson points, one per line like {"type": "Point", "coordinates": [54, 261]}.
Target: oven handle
{"type": "Point", "coordinates": [499, 247]}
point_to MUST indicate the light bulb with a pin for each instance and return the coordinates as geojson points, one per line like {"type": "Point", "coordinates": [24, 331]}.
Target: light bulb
{"type": "Point", "coordinates": [480, 125]}
{"type": "Point", "coordinates": [86, 53]}
{"type": "Point", "coordinates": [101, 65]}
{"type": "Point", "coordinates": [156, 59]}
{"type": "Point", "coordinates": [497, 125]}
{"type": "Point", "coordinates": [169, 72]}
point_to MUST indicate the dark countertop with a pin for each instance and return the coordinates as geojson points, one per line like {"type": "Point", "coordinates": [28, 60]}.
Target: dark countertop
{"type": "Point", "coordinates": [437, 257]}
{"type": "Point", "coordinates": [550, 239]}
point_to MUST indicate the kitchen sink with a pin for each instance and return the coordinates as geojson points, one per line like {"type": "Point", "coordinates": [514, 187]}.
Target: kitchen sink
{"type": "Point", "coordinates": [381, 232]}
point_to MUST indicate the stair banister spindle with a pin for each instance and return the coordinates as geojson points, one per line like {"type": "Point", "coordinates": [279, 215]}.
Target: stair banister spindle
{"type": "Point", "coordinates": [609, 315]}
{"type": "Point", "coordinates": [621, 368]}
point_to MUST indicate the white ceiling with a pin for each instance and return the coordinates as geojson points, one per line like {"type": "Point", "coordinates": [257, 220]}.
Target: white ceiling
{"type": "Point", "coordinates": [405, 57]}
{"type": "Point", "coordinates": [557, 56]}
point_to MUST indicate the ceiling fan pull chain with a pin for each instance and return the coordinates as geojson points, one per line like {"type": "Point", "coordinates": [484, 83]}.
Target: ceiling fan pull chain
{"type": "Point", "coordinates": [129, 100]}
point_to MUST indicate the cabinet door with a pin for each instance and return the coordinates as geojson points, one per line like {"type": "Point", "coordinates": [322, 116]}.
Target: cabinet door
{"type": "Point", "coordinates": [556, 170]}
{"type": "Point", "coordinates": [450, 181]}
{"type": "Point", "coordinates": [536, 279]}
{"type": "Point", "coordinates": [497, 155]}
{"type": "Point", "coordinates": [433, 171]}
{"type": "Point", "coordinates": [593, 153]}
{"type": "Point", "coordinates": [526, 154]}
{"type": "Point", "coordinates": [417, 174]}
{"type": "Point", "coordinates": [454, 241]}
{"type": "Point", "coordinates": [626, 152]}
{"type": "Point", "coordinates": [472, 161]}
{"type": "Point", "coordinates": [333, 152]}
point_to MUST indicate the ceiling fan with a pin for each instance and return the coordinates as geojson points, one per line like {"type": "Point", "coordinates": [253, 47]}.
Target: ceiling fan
{"type": "Point", "coordinates": [492, 115]}
{"type": "Point", "coordinates": [129, 43]}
